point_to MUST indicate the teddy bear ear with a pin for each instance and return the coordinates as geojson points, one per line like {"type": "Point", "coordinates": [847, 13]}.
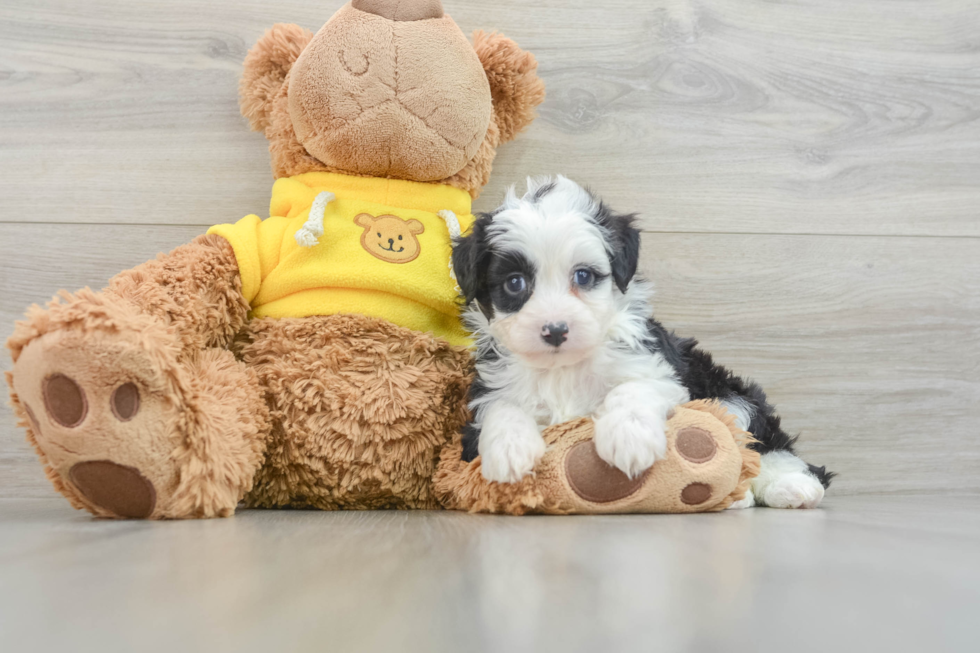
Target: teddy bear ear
{"type": "Point", "coordinates": [266, 67]}
{"type": "Point", "coordinates": [415, 227]}
{"type": "Point", "coordinates": [364, 220]}
{"type": "Point", "coordinates": [514, 83]}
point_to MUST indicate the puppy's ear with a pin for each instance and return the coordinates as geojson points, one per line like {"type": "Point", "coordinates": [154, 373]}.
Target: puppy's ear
{"type": "Point", "coordinates": [471, 262]}
{"type": "Point", "coordinates": [266, 67]}
{"type": "Point", "coordinates": [514, 83]}
{"type": "Point", "coordinates": [624, 246]}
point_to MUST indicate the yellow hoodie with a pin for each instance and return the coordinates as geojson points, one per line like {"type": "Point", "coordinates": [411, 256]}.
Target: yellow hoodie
{"type": "Point", "coordinates": [384, 251]}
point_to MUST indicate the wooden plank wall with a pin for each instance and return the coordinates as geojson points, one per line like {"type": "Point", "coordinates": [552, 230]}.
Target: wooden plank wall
{"type": "Point", "coordinates": [808, 173]}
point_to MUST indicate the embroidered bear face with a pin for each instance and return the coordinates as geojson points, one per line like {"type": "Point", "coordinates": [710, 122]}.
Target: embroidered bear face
{"type": "Point", "coordinates": [390, 238]}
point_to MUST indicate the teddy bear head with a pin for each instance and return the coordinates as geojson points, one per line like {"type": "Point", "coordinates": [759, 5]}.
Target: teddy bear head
{"type": "Point", "coordinates": [389, 88]}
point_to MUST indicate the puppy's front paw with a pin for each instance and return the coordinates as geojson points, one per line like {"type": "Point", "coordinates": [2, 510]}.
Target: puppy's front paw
{"type": "Point", "coordinates": [508, 461]}
{"type": "Point", "coordinates": [631, 440]}
{"type": "Point", "coordinates": [508, 455]}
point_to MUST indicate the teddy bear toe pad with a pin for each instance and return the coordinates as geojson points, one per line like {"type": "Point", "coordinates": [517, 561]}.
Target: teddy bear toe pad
{"type": "Point", "coordinates": [696, 493]}
{"type": "Point", "coordinates": [65, 400]}
{"type": "Point", "coordinates": [696, 445]}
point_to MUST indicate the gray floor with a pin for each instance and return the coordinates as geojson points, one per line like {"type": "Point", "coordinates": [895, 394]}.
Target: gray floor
{"type": "Point", "coordinates": [867, 573]}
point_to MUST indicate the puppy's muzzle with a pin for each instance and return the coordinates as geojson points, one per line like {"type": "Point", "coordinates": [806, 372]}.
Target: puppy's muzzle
{"type": "Point", "coordinates": [555, 333]}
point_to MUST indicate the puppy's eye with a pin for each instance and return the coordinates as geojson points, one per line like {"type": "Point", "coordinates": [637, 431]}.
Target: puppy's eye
{"type": "Point", "coordinates": [515, 284]}
{"type": "Point", "coordinates": [399, 238]}
{"type": "Point", "coordinates": [379, 234]}
{"type": "Point", "coordinates": [583, 278]}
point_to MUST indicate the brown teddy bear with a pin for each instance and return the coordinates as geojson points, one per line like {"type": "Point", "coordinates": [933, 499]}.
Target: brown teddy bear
{"type": "Point", "coordinates": [313, 358]}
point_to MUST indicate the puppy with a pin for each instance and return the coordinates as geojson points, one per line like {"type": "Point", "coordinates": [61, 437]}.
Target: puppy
{"type": "Point", "coordinates": [564, 329]}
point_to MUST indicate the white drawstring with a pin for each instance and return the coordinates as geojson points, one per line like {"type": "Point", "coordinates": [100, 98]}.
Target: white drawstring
{"type": "Point", "coordinates": [452, 222]}
{"type": "Point", "coordinates": [309, 234]}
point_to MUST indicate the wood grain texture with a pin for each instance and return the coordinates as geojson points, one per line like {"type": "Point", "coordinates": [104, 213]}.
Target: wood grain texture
{"type": "Point", "coordinates": [870, 347]}
{"type": "Point", "coordinates": [811, 116]}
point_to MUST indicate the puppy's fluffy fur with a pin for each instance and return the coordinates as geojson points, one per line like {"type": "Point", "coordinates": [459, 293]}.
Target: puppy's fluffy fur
{"type": "Point", "coordinates": [564, 329]}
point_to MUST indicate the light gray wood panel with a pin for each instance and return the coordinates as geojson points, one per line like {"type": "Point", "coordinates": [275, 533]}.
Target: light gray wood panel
{"type": "Point", "coordinates": [869, 346]}
{"type": "Point", "coordinates": [815, 116]}
{"type": "Point", "coordinates": [868, 573]}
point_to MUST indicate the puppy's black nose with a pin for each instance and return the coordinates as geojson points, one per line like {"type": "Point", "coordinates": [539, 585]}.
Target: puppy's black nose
{"type": "Point", "coordinates": [391, 241]}
{"type": "Point", "coordinates": [555, 334]}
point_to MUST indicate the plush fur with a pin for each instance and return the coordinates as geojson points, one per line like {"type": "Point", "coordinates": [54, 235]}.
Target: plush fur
{"type": "Point", "coordinates": [380, 449]}
{"type": "Point", "coordinates": [559, 261]}
{"type": "Point", "coordinates": [328, 412]}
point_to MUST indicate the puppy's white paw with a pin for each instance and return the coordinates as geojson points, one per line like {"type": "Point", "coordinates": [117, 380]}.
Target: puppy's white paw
{"type": "Point", "coordinates": [631, 440]}
{"type": "Point", "coordinates": [748, 501]}
{"type": "Point", "coordinates": [794, 490]}
{"type": "Point", "coordinates": [507, 456]}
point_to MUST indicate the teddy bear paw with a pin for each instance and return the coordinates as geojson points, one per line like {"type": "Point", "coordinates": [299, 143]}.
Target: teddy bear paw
{"type": "Point", "coordinates": [102, 419]}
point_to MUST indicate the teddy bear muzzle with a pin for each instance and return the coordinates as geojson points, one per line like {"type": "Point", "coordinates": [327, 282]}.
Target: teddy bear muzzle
{"type": "Point", "coordinates": [400, 10]}
{"type": "Point", "coordinates": [404, 97]}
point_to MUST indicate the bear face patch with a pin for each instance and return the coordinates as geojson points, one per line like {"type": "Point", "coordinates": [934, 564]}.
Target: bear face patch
{"type": "Point", "coordinates": [390, 238]}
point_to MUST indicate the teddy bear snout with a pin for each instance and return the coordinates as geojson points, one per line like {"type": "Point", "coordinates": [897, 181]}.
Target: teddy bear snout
{"type": "Point", "coordinates": [359, 104]}
{"type": "Point", "coordinates": [401, 10]}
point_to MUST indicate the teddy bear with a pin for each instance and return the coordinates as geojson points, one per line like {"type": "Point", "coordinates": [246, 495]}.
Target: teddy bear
{"type": "Point", "coordinates": [313, 358]}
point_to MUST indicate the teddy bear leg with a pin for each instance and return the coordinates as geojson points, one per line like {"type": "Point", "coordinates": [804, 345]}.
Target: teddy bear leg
{"type": "Point", "coordinates": [129, 396]}
{"type": "Point", "coordinates": [127, 431]}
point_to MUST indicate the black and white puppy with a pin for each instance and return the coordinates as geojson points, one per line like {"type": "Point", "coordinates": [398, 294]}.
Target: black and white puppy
{"type": "Point", "coordinates": [564, 329]}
